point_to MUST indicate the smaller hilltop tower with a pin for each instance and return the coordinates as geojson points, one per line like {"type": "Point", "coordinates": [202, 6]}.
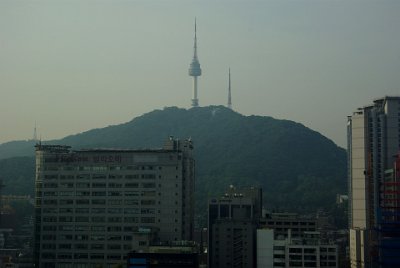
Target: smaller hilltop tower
{"type": "Point", "coordinates": [194, 69]}
{"type": "Point", "coordinates": [229, 91]}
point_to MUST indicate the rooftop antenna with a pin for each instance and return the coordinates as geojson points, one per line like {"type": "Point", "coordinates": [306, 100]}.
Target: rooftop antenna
{"type": "Point", "coordinates": [229, 91]}
{"type": "Point", "coordinates": [194, 68]}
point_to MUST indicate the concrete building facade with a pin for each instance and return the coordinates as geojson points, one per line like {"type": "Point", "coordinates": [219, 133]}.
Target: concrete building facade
{"type": "Point", "coordinates": [309, 251]}
{"type": "Point", "coordinates": [282, 222]}
{"type": "Point", "coordinates": [89, 203]}
{"type": "Point", "coordinates": [373, 140]}
{"type": "Point", "coordinates": [232, 222]}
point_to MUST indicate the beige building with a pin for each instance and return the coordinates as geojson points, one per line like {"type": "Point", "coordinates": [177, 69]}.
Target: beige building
{"type": "Point", "coordinates": [282, 222]}
{"type": "Point", "coordinates": [308, 251]}
{"type": "Point", "coordinates": [373, 140]}
{"type": "Point", "coordinates": [89, 203]}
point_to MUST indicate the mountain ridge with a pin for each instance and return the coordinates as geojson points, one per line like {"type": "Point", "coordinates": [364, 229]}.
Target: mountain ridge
{"type": "Point", "coordinates": [298, 168]}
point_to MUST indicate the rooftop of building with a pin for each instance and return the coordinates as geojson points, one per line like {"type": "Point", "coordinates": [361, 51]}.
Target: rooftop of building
{"type": "Point", "coordinates": [170, 145]}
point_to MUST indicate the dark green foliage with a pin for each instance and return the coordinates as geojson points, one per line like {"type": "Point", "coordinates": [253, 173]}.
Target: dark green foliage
{"type": "Point", "coordinates": [22, 209]}
{"type": "Point", "coordinates": [298, 169]}
{"type": "Point", "coordinates": [18, 175]}
{"type": "Point", "coordinates": [16, 148]}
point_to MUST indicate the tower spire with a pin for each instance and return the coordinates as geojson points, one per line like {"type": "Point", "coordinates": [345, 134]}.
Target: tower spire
{"type": "Point", "coordinates": [229, 91]}
{"type": "Point", "coordinates": [194, 68]}
{"type": "Point", "coordinates": [195, 40]}
{"type": "Point", "coordinates": [35, 133]}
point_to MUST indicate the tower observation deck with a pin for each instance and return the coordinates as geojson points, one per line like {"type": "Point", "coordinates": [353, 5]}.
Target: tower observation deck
{"type": "Point", "coordinates": [194, 69]}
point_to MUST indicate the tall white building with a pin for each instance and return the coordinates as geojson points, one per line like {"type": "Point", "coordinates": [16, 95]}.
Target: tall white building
{"type": "Point", "coordinates": [89, 203]}
{"type": "Point", "coordinates": [373, 140]}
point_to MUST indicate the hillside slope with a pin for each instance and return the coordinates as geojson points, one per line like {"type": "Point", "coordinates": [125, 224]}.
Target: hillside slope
{"type": "Point", "coordinates": [298, 168]}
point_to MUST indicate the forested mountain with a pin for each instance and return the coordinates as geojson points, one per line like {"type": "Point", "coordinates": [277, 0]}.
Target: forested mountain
{"type": "Point", "coordinates": [298, 168]}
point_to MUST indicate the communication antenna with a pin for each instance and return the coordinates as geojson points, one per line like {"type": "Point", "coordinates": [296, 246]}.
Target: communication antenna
{"type": "Point", "coordinates": [35, 133]}
{"type": "Point", "coordinates": [229, 91]}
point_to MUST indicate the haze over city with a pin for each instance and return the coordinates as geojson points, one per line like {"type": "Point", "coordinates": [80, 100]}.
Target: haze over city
{"type": "Point", "coordinates": [71, 66]}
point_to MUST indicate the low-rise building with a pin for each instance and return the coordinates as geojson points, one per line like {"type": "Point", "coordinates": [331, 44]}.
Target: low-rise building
{"type": "Point", "coordinates": [309, 251]}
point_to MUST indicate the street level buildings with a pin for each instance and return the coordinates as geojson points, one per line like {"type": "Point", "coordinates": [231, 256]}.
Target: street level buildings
{"type": "Point", "coordinates": [373, 141]}
{"type": "Point", "coordinates": [89, 203]}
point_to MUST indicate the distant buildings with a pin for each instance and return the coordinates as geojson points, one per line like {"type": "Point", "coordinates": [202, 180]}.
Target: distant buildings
{"type": "Point", "coordinates": [373, 141]}
{"type": "Point", "coordinates": [242, 235]}
{"type": "Point", "coordinates": [90, 203]}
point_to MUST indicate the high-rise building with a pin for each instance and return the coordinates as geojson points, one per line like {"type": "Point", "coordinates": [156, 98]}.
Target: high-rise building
{"type": "Point", "coordinates": [89, 203]}
{"type": "Point", "coordinates": [373, 140]}
{"type": "Point", "coordinates": [194, 69]}
{"type": "Point", "coordinates": [232, 223]}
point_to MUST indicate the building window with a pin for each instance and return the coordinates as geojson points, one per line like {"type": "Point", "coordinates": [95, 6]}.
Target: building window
{"type": "Point", "coordinates": [148, 202]}
{"type": "Point", "coordinates": [147, 211]}
{"type": "Point", "coordinates": [114, 219]}
{"type": "Point", "coordinates": [98, 219]}
{"type": "Point", "coordinates": [115, 202]}
{"type": "Point", "coordinates": [130, 220]}
{"type": "Point", "coordinates": [148, 220]}
{"type": "Point", "coordinates": [97, 256]}
{"type": "Point", "coordinates": [82, 202]}
{"type": "Point", "coordinates": [98, 185]}
{"type": "Point", "coordinates": [81, 210]}
{"type": "Point", "coordinates": [81, 219]}
{"type": "Point", "coordinates": [97, 246]}
{"type": "Point", "coordinates": [99, 202]}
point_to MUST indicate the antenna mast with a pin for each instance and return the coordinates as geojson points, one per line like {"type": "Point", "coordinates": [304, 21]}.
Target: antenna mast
{"type": "Point", "coordinates": [35, 133]}
{"type": "Point", "coordinates": [229, 91]}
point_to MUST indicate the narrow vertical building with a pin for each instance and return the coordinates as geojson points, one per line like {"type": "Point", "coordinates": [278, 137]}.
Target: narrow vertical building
{"type": "Point", "coordinates": [232, 223]}
{"type": "Point", "coordinates": [194, 69]}
{"type": "Point", "coordinates": [89, 203]}
{"type": "Point", "coordinates": [373, 141]}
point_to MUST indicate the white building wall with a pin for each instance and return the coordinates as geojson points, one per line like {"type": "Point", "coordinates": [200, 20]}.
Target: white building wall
{"type": "Point", "coordinates": [265, 248]}
{"type": "Point", "coordinates": [358, 163]}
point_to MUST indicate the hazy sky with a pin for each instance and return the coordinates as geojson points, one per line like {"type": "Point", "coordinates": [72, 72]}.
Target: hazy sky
{"type": "Point", "coordinates": [76, 65]}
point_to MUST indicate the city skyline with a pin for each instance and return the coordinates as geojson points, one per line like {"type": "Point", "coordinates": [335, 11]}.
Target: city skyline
{"type": "Point", "coordinates": [72, 66]}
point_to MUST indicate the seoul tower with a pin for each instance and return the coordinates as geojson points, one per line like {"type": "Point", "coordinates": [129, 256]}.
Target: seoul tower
{"type": "Point", "coordinates": [195, 70]}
